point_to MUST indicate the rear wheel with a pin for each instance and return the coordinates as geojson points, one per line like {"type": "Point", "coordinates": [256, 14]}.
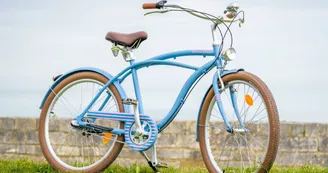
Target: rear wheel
{"type": "Point", "coordinates": [254, 151]}
{"type": "Point", "coordinates": [71, 149]}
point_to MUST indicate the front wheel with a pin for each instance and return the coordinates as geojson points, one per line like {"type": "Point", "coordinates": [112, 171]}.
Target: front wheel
{"type": "Point", "coordinates": [72, 149]}
{"type": "Point", "coordinates": [253, 151]}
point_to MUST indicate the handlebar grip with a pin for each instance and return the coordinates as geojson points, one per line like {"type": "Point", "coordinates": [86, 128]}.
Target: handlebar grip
{"type": "Point", "coordinates": [149, 6]}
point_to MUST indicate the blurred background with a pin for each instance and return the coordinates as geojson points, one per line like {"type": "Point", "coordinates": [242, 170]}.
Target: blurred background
{"type": "Point", "coordinates": [283, 42]}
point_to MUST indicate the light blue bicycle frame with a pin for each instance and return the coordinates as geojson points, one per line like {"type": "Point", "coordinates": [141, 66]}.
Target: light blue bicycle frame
{"type": "Point", "coordinates": [160, 60]}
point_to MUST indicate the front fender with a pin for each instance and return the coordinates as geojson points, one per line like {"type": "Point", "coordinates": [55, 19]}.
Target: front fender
{"type": "Point", "coordinates": [86, 69]}
{"type": "Point", "coordinates": [201, 105]}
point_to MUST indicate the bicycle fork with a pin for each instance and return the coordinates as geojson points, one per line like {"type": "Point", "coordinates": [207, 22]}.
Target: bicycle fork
{"type": "Point", "coordinates": [217, 93]}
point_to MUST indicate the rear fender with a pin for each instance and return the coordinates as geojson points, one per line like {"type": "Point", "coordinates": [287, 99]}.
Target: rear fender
{"type": "Point", "coordinates": [60, 78]}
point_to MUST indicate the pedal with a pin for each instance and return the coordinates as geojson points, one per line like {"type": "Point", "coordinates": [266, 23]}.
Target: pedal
{"type": "Point", "coordinates": [129, 101]}
{"type": "Point", "coordinates": [161, 165]}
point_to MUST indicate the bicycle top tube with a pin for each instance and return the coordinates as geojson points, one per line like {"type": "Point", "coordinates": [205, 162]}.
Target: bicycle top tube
{"type": "Point", "coordinates": [160, 60]}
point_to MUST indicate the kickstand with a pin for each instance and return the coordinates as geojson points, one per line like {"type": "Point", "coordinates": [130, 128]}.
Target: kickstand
{"type": "Point", "coordinates": [149, 162]}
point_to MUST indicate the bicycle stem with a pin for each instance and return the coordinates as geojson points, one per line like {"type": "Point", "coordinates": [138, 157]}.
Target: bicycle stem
{"type": "Point", "coordinates": [214, 37]}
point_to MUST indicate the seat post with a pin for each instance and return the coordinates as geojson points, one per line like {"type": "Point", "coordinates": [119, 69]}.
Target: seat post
{"type": "Point", "coordinates": [128, 55]}
{"type": "Point", "coordinates": [136, 87]}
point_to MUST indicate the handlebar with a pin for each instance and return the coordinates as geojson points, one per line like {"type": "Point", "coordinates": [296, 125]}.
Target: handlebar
{"type": "Point", "coordinates": [164, 8]}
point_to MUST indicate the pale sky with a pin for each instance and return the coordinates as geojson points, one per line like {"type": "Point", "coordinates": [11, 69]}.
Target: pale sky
{"type": "Point", "coordinates": [284, 43]}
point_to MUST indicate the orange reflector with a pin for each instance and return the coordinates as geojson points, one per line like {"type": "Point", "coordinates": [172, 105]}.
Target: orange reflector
{"type": "Point", "coordinates": [106, 138]}
{"type": "Point", "coordinates": [249, 100]}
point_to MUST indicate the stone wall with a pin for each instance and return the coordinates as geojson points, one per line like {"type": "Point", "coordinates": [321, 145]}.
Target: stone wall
{"type": "Point", "coordinates": [300, 144]}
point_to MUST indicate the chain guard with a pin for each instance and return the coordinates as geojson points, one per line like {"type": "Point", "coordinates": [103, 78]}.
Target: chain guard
{"type": "Point", "coordinates": [149, 125]}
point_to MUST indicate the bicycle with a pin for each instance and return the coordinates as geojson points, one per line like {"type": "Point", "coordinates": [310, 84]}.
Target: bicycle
{"type": "Point", "coordinates": [95, 111]}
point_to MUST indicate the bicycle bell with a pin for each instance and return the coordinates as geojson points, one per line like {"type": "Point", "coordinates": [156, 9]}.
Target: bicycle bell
{"type": "Point", "coordinates": [231, 10]}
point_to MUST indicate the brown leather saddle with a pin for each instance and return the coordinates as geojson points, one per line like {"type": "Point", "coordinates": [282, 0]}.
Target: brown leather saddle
{"type": "Point", "coordinates": [132, 40]}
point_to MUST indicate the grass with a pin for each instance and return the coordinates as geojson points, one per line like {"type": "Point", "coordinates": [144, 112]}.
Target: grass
{"type": "Point", "coordinates": [24, 165]}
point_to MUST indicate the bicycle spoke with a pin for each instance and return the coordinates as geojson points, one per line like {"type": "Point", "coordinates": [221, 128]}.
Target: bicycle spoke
{"type": "Point", "coordinates": [64, 99]}
{"type": "Point", "coordinates": [254, 148]}
{"type": "Point", "coordinates": [225, 143]}
{"type": "Point", "coordinates": [251, 121]}
{"type": "Point", "coordinates": [93, 91]}
{"type": "Point", "coordinates": [228, 118]}
{"type": "Point", "coordinates": [63, 105]}
{"type": "Point", "coordinates": [222, 128]}
{"type": "Point", "coordinates": [259, 119]}
{"type": "Point", "coordinates": [77, 161]}
{"type": "Point", "coordinates": [217, 116]}
{"type": "Point", "coordinates": [95, 150]}
{"type": "Point", "coordinates": [250, 146]}
{"type": "Point", "coordinates": [241, 156]}
{"type": "Point", "coordinates": [247, 148]}
{"type": "Point", "coordinates": [88, 146]}
{"type": "Point", "coordinates": [70, 154]}
{"type": "Point", "coordinates": [229, 156]}
{"type": "Point", "coordinates": [237, 91]}
{"type": "Point", "coordinates": [242, 108]}
{"type": "Point", "coordinates": [57, 110]}
{"type": "Point", "coordinates": [69, 134]}
{"type": "Point", "coordinates": [98, 100]}
{"type": "Point", "coordinates": [110, 108]}
{"type": "Point", "coordinates": [258, 108]}
{"type": "Point", "coordinates": [257, 141]}
{"type": "Point", "coordinates": [82, 151]}
{"type": "Point", "coordinates": [81, 99]}
{"type": "Point", "coordinates": [108, 103]}
{"type": "Point", "coordinates": [248, 89]}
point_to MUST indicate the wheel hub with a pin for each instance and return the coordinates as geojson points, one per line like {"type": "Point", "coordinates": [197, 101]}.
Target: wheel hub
{"type": "Point", "coordinates": [240, 130]}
